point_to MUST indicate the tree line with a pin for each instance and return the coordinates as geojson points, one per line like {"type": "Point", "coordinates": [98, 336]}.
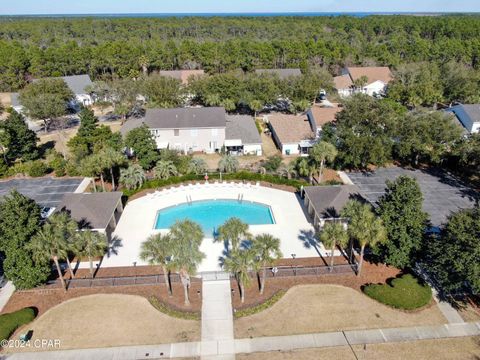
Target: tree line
{"type": "Point", "coordinates": [57, 47]}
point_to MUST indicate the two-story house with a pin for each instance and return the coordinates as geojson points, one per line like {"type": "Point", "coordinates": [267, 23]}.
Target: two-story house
{"type": "Point", "coordinates": [370, 80]}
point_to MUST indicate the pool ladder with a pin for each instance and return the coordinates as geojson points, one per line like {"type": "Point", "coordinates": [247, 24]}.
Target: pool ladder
{"type": "Point", "coordinates": [240, 198]}
{"type": "Point", "coordinates": [189, 199]}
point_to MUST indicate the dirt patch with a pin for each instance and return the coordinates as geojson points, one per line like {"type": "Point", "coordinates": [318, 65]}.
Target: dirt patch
{"type": "Point", "coordinates": [467, 348]}
{"type": "Point", "coordinates": [111, 320]}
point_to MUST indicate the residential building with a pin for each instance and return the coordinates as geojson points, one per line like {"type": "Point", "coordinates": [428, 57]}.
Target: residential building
{"type": "Point", "coordinates": [468, 115]}
{"type": "Point", "coordinates": [182, 75]}
{"type": "Point", "coordinates": [78, 84]}
{"type": "Point", "coordinates": [325, 203]}
{"type": "Point", "coordinates": [292, 134]}
{"type": "Point", "coordinates": [319, 116]}
{"type": "Point", "coordinates": [241, 136]}
{"type": "Point", "coordinates": [15, 103]}
{"type": "Point", "coordinates": [200, 130]}
{"type": "Point", "coordinates": [376, 80]}
{"type": "Point", "coordinates": [296, 134]}
{"type": "Point", "coordinates": [96, 211]}
{"type": "Point", "coordinates": [281, 73]}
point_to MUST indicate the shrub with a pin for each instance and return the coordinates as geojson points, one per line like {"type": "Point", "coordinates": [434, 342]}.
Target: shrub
{"type": "Point", "coordinates": [12, 321]}
{"type": "Point", "coordinates": [160, 306]}
{"type": "Point", "coordinates": [406, 292]}
{"type": "Point", "coordinates": [261, 307]}
{"type": "Point", "coordinates": [36, 168]}
{"type": "Point", "coordinates": [58, 164]}
{"type": "Point", "coordinates": [72, 168]}
{"type": "Point", "coordinates": [273, 163]}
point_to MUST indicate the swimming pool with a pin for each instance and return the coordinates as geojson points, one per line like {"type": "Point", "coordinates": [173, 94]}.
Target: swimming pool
{"type": "Point", "coordinates": [210, 214]}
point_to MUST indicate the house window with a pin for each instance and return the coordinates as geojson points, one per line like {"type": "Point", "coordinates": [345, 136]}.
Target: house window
{"type": "Point", "coordinates": [194, 132]}
{"type": "Point", "coordinates": [214, 132]}
{"type": "Point", "coordinates": [176, 132]}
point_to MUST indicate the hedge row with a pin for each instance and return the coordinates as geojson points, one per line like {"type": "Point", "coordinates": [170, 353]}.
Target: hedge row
{"type": "Point", "coordinates": [167, 310]}
{"type": "Point", "coordinates": [261, 307]}
{"type": "Point", "coordinates": [242, 175]}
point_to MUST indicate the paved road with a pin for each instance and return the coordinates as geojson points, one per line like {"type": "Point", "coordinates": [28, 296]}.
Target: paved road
{"type": "Point", "coordinates": [274, 343]}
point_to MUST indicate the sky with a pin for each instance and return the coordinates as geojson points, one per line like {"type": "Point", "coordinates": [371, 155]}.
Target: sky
{"type": "Point", "coordinates": [10, 7]}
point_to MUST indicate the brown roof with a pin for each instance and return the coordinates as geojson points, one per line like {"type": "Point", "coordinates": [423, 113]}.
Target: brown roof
{"type": "Point", "coordinates": [324, 115]}
{"type": "Point", "coordinates": [182, 75]}
{"type": "Point", "coordinates": [342, 81]}
{"type": "Point", "coordinates": [373, 73]}
{"type": "Point", "coordinates": [291, 128]}
{"type": "Point", "coordinates": [94, 210]}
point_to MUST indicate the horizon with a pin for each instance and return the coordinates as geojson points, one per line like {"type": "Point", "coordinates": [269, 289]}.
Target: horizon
{"type": "Point", "coordinates": [126, 7]}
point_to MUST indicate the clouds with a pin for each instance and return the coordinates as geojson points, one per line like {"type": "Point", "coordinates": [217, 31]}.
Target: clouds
{"type": "Point", "coordinates": [207, 6]}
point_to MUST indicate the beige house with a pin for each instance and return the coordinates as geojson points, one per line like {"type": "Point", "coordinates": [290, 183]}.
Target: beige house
{"type": "Point", "coordinates": [377, 79]}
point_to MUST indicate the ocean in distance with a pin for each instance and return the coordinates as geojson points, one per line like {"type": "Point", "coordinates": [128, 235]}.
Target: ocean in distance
{"type": "Point", "coordinates": [245, 14]}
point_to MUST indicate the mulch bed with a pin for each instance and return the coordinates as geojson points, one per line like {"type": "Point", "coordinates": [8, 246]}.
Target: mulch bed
{"type": "Point", "coordinates": [371, 273]}
{"type": "Point", "coordinates": [44, 299]}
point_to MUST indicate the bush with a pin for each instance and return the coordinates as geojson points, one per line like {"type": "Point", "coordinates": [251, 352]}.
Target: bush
{"type": "Point", "coordinates": [242, 175]}
{"type": "Point", "coordinates": [12, 321]}
{"type": "Point", "coordinates": [57, 163]}
{"type": "Point", "coordinates": [406, 292]}
{"type": "Point", "coordinates": [261, 307]}
{"type": "Point", "coordinates": [273, 163]}
{"type": "Point", "coordinates": [36, 168]}
{"type": "Point", "coordinates": [167, 310]}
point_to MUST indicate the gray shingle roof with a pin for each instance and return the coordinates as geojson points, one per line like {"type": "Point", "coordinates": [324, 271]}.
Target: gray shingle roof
{"type": "Point", "coordinates": [76, 83]}
{"type": "Point", "coordinates": [282, 73]}
{"type": "Point", "coordinates": [242, 127]}
{"type": "Point", "coordinates": [93, 209]}
{"type": "Point", "coordinates": [180, 118]}
{"type": "Point", "coordinates": [472, 110]}
{"type": "Point", "coordinates": [328, 201]}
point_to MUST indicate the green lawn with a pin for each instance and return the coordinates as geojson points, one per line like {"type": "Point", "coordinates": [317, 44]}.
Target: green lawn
{"type": "Point", "coordinates": [405, 292]}
{"type": "Point", "coordinates": [12, 321]}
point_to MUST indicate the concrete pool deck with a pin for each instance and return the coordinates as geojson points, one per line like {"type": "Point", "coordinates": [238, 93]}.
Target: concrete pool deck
{"type": "Point", "coordinates": [138, 221]}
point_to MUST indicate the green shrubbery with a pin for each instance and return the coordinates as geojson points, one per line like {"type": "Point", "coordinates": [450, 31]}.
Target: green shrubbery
{"type": "Point", "coordinates": [242, 175]}
{"type": "Point", "coordinates": [406, 292]}
{"type": "Point", "coordinates": [261, 307]}
{"type": "Point", "coordinates": [12, 321]}
{"type": "Point", "coordinates": [163, 308]}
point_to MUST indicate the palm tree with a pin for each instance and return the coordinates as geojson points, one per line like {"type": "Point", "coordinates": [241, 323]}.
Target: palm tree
{"type": "Point", "coordinates": [164, 169]}
{"type": "Point", "coordinates": [91, 244]}
{"type": "Point", "coordinates": [322, 152]}
{"type": "Point", "coordinates": [228, 164]}
{"type": "Point", "coordinates": [187, 236]}
{"type": "Point", "coordinates": [255, 106]}
{"type": "Point", "coordinates": [110, 160]}
{"type": "Point", "coordinates": [288, 171]}
{"type": "Point", "coordinates": [267, 249]}
{"type": "Point", "coordinates": [197, 166]}
{"type": "Point", "coordinates": [333, 234]}
{"type": "Point", "coordinates": [45, 244]}
{"type": "Point", "coordinates": [158, 250]}
{"type": "Point", "coordinates": [65, 228]}
{"type": "Point", "coordinates": [364, 226]}
{"type": "Point", "coordinates": [132, 177]}
{"type": "Point", "coordinates": [305, 167]}
{"type": "Point", "coordinates": [233, 231]}
{"type": "Point", "coordinates": [240, 263]}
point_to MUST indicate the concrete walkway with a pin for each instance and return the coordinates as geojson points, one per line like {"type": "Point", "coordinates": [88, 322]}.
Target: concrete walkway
{"type": "Point", "coordinates": [261, 344]}
{"type": "Point", "coordinates": [5, 294]}
{"type": "Point", "coordinates": [217, 317]}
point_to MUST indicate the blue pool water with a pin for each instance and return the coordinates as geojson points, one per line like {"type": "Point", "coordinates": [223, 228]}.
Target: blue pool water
{"type": "Point", "coordinates": [210, 214]}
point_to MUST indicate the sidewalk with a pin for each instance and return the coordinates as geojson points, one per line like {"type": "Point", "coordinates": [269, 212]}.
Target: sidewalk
{"type": "Point", "coordinates": [217, 319]}
{"type": "Point", "coordinates": [274, 343]}
{"type": "Point", "coordinates": [5, 294]}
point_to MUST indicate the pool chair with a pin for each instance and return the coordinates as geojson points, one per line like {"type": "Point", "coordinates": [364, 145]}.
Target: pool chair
{"type": "Point", "coordinates": [257, 184]}
{"type": "Point", "coordinates": [190, 186]}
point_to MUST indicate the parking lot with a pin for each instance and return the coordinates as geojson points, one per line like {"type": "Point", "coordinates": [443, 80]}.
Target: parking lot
{"type": "Point", "coordinates": [442, 193]}
{"type": "Point", "coordinates": [47, 192]}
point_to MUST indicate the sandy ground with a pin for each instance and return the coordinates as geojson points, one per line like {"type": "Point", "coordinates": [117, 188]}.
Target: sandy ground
{"type": "Point", "coordinates": [61, 137]}
{"type": "Point", "coordinates": [321, 308]}
{"type": "Point", "coordinates": [467, 348]}
{"type": "Point", "coordinates": [111, 320]}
